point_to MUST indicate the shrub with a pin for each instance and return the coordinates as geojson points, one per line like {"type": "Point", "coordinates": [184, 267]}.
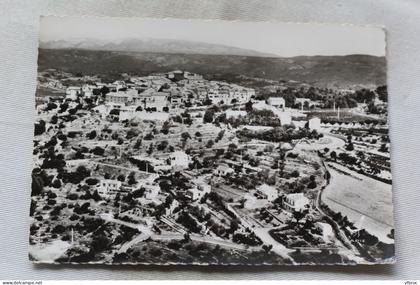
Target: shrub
{"type": "Point", "coordinates": [91, 181]}
{"type": "Point", "coordinates": [98, 151]}
{"type": "Point", "coordinates": [72, 196]}
{"type": "Point", "coordinates": [56, 184]}
{"type": "Point", "coordinates": [294, 173]}
{"type": "Point", "coordinates": [208, 116]}
{"type": "Point", "coordinates": [58, 229]}
{"type": "Point", "coordinates": [312, 184]}
{"type": "Point", "coordinates": [91, 135]}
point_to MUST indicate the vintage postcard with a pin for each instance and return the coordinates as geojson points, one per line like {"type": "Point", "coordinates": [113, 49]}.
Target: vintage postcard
{"type": "Point", "coordinates": [210, 142]}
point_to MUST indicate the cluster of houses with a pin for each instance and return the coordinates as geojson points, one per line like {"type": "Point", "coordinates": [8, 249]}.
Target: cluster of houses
{"type": "Point", "coordinates": [179, 160]}
{"type": "Point", "coordinates": [160, 92]}
{"type": "Point", "coordinates": [152, 97]}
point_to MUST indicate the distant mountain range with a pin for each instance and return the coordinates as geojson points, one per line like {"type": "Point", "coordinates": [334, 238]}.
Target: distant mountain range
{"type": "Point", "coordinates": [152, 45]}
{"type": "Point", "coordinates": [151, 56]}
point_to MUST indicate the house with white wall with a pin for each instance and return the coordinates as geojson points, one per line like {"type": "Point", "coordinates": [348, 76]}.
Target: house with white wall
{"type": "Point", "coordinates": [295, 202]}
{"type": "Point", "coordinates": [179, 160]}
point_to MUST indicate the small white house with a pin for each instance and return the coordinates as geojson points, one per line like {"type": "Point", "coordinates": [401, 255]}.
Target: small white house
{"type": "Point", "coordinates": [151, 191]}
{"type": "Point", "coordinates": [223, 170]}
{"type": "Point", "coordinates": [198, 192]}
{"type": "Point", "coordinates": [179, 160]}
{"type": "Point", "coordinates": [119, 84]}
{"type": "Point", "coordinates": [109, 187]}
{"type": "Point", "coordinates": [285, 118]}
{"type": "Point", "coordinates": [295, 202]}
{"type": "Point", "coordinates": [87, 90]}
{"type": "Point", "coordinates": [235, 114]}
{"type": "Point", "coordinates": [314, 124]}
{"type": "Point", "coordinates": [327, 231]}
{"type": "Point", "coordinates": [268, 192]}
{"type": "Point", "coordinates": [277, 102]}
{"type": "Point", "coordinates": [72, 92]}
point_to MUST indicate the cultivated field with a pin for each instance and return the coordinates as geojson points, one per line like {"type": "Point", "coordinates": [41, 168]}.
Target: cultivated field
{"type": "Point", "coordinates": [365, 201]}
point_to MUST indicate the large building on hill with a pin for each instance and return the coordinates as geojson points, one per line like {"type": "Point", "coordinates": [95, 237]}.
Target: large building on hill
{"type": "Point", "coordinates": [149, 98]}
{"type": "Point", "coordinates": [277, 102]}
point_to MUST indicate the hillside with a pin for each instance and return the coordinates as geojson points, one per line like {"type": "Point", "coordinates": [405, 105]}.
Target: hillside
{"type": "Point", "coordinates": [322, 71]}
{"type": "Point", "coordinates": [152, 45]}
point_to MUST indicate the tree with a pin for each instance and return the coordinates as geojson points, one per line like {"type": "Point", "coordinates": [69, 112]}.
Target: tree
{"type": "Point", "coordinates": [350, 146]}
{"type": "Point", "coordinates": [137, 145]}
{"type": "Point", "coordinates": [150, 149]}
{"type": "Point", "coordinates": [99, 243]}
{"type": "Point", "coordinates": [210, 143]}
{"type": "Point", "coordinates": [250, 239]}
{"type": "Point", "coordinates": [234, 225]}
{"type": "Point", "coordinates": [382, 93]}
{"type": "Point", "coordinates": [98, 151]}
{"type": "Point", "coordinates": [333, 155]}
{"type": "Point", "coordinates": [54, 120]}
{"type": "Point", "coordinates": [391, 234]}
{"type": "Point", "coordinates": [51, 106]}
{"type": "Point", "coordinates": [104, 90]}
{"type": "Point", "coordinates": [208, 116]}
{"type": "Point", "coordinates": [121, 178]}
{"type": "Point", "coordinates": [91, 135]}
{"type": "Point", "coordinates": [82, 171]}
{"type": "Point", "coordinates": [131, 133]}
{"type": "Point", "coordinates": [187, 221]}
{"type": "Point", "coordinates": [248, 107]}
{"type": "Point", "coordinates": [139, 192]}
{"type": "Point", "coordinates": [96, 196]}
{"type": "Point", "coordinates": [149, 136]}
{"type": "Point", "coordinates": [63, 107]}
{"type": "Point", "coordinates": [295, 173]}
{"type": "Point", "coordinates": [383, 148]}
{"type": "Point", "coordinates": [312, 184]}
{"type": "Point", "coordinates": [40, 128]}
{"type": "Point", "coordinates": [165, 128]}
{"type": "Point", "coordinates": [220, 135]}
{"type": "Point", "coordinates": [56, 183]}
{"type": "Point", "coordinates": [131, 178]}
{"type": "Point", "coordinates": [298, 215]}
{"type": "Point", "coordinates": [267, 248]}
{"type": "Point", "coordinates": [162, 145]}
{"type": "Point", "coordinates": [185, 136]}
{"type": "Point", "coordinates": [207, 102]}
{"type": "Point", "coordinates": [37, 184]}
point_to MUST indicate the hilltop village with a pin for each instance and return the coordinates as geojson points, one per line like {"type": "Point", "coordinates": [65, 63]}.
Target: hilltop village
{"type": "Point", "coordinates": [175, 168]}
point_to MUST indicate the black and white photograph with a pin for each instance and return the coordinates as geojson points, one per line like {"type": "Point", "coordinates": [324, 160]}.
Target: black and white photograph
{"type": "Point", "coordinates": [210, 142]}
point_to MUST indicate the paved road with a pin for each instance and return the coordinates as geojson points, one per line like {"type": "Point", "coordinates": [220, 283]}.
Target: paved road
{"type": "Point", "coordinates": [204, 239]}
{"type": "Point", "coordinates": [264, 235]}
{"type": "Point", "coordinates": [335, 226]}
{"type": "Point", "coordinates": [145, 231]}
{"type": "Point", "coordinates": [278, 248]}
{"type": "Point", "coordinates": [141, 237]}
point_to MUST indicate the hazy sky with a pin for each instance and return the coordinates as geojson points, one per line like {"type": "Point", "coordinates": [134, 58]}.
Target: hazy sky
{"type": "Point", "coordinates": [283, 39]}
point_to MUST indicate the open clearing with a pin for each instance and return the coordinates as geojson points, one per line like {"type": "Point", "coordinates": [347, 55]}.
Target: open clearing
{"type": "Point", "coordinates": [365, 201]}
